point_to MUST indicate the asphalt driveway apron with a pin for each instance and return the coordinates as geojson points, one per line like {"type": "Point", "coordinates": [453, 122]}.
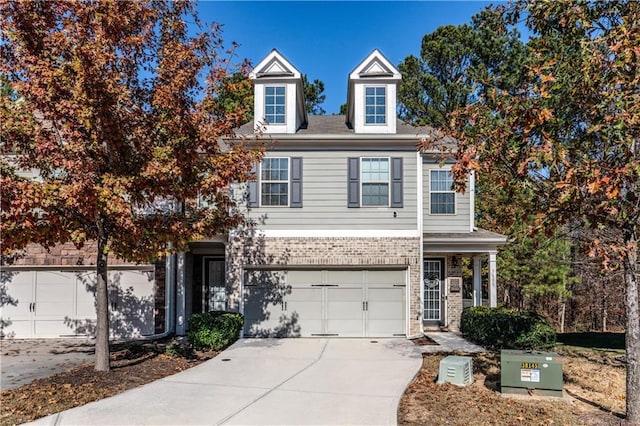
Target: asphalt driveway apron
{"type": "Point", "coordinates": [270, 381]}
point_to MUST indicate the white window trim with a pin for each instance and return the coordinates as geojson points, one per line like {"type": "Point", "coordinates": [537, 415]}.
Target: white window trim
{"type": "Point", "coordinates": [264, 104]}
{"type": "Point", "coordinates": [386, 110]}
{"type": "Point", "coordinates": [362, 182]}
{"type": "Point", "coordinates": [455, 196]}
{"type": "Point", "coordinates": [288, 182]}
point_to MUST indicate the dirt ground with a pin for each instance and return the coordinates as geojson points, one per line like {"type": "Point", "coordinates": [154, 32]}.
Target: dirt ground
{"type": "Point", "coordinates": [589, 401]}
{"type": "Point", "coordinates": [132, 365]}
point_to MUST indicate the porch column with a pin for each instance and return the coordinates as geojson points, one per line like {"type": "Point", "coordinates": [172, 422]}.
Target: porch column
{"type": "Point", "coordinates": [181, 297]}
{"type": "Point", "coordinates": [477, 281]}
{"type": "Point", "coordinates": [493, 286]}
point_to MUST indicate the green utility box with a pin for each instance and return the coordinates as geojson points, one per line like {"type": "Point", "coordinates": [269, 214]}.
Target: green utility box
{"type": "Point", "coordinates": [531, 372]}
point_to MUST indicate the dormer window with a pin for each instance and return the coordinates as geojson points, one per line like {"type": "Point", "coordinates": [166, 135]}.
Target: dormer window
{"type": "Point", "coordinates": [375, 105]}
{"type": "Point", "coordinates": [275, 104]}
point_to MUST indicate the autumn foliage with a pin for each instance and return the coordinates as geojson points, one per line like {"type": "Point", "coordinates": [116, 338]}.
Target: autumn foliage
{"type": "Point", "coordinates": [114, 107]}
{"type": "Point", "coordinates": [570, 136]}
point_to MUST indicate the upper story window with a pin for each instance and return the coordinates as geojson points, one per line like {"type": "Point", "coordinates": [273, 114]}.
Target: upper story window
{"type": "Point", "coordinates": [274, 182]}
{"type": "Point", "coordinates": [274, 104]}
{"type": "Point", "coordinates": [443, 197]}
{"type": "Point", "coordinates": [375, 105]}
{"type": "Point", "coordinates": [375, 181]}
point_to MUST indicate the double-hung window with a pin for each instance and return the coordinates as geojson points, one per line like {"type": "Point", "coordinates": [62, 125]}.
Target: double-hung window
{"type": "Point", "coordinates": [274, 182]}
{"type": "Point", "coordinates": [375, 103]}
{"type": "Point", "coordinates": [375, 181]}
{"type": "Point", "coordinates": [443, 197]}
{"type": "Point", "coordinates": [274, 104]}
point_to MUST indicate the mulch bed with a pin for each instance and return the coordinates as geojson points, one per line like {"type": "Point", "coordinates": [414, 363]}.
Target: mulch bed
{"type": "Point", "coordinates": [481, 403]}
{"type": "Point", "coordinates": [424, 341]}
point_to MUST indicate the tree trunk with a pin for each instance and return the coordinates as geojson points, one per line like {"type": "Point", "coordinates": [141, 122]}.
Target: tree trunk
{"type": "Point", "coordinates": [633, 329]}
{"type": "Point", "coordinates": [562, 312]}
{"type": "Point", "coordinates": [102, 306]}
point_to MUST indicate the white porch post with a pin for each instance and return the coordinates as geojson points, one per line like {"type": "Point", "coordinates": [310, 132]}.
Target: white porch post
{"type": "Point", "coordinates": [181, 299]}
{"type": "Point", "coordinates": [493, 286]}
{"type": "Point", "coordinates": [477, 281]}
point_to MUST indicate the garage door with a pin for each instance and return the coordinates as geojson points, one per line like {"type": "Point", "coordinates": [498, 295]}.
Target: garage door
{"type": "Point", "coordinates": [341, 303]}
{"type": "Point", "coordinates": [42, 304]}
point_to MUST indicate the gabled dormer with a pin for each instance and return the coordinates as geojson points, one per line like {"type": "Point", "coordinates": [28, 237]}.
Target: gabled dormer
{"type": "Point", "coordinates": [278, 95]}
{"type": "Point", "coordinates": [371, 97]}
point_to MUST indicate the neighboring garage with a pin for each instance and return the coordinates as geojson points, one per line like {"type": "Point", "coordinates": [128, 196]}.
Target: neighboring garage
{"type": "Point", "coordinates": [331, 302]}
{"type": "Point", "coordinates": [61, 303]}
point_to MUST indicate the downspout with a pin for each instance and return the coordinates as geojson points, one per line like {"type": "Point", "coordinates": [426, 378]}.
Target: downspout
{"type": "Point", "coordinates": [420, 222]}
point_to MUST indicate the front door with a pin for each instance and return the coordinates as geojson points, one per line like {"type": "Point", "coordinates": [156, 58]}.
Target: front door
{"type": "Point", "coordinates": [433, 284]}
{"type": "Point", "coordinates": [215, 285]}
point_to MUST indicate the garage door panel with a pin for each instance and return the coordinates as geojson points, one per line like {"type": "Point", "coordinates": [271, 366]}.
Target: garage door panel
{"type": "Point", "coordinates": [17, 297]}
{"type": "Point", "coordinates": [62, 303]}
{"type": "Point", "coordinates": [263, 304]}
{"type": "Point", "coordinates": [386, 328]}
{"type": "Point", "coordinates": [132, 297]}
{"type": "Point", "coordinates": [387, 311]}
{"type": "Point", "coordinates": [86, 296]}
{"type": "Point", "coordinates": [379, 278]}
{"type": "Point", "coordinates": [304, 309]}
{"type": "Point", "coordinates": [354, 278]}
{"type": "Point", "coordinates": [54, 296]}
{"type": "Point", "coordinates": [346, 303]}
{"type": "Point", "coordinates": [301, 277]}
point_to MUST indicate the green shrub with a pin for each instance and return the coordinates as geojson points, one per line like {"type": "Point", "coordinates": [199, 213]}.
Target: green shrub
{"type": "Point", "coordinates": [214, 330]}
{"type": "Point", "coordinates": [502, 328]}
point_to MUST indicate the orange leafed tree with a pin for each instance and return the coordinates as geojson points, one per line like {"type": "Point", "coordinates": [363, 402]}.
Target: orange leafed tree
{"type": "Point", "coordinates": [116, 105]}
{"type": "Point", "coordinates": [571, 136]}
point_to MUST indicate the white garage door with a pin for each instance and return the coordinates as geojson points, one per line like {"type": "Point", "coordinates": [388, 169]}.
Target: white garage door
{"type": "Point", "coordinates": [44, 304]}
{"type": "Point", "coordinates": [341, 303]}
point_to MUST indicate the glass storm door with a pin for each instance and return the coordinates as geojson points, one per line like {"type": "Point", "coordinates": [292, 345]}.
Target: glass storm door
{"type": "Point", "coordinates": [215, 282]}
{"type": "Point", "coordinates": [432, 290]}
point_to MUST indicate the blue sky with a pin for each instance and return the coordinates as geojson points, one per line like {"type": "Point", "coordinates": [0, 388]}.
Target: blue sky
{"type": "Point", "coordinates": [327, 39]}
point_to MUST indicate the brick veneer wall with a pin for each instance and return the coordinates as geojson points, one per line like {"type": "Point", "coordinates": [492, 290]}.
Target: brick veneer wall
{"type": "Point", "coordinates": [62, 255]}
{"type": "Point", "coordinates": [454, 300]}
{"type": "Point", "coordinates": [325, 252]}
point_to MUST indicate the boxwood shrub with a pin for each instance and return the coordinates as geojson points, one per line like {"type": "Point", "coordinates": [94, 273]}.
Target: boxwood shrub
{"type": "Point", "coordinates": [214, 330]}
{"type": "Point", "coordinates": [503, 328]}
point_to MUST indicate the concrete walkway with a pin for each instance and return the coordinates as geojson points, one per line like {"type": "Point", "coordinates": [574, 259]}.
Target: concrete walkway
{"type": "Point", "coordinates": [450, 342]}
{"type": "Point", "coordinates": [270, 381]}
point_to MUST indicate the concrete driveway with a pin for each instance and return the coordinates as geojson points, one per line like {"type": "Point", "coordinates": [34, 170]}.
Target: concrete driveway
{"type": "Point", "coordinates": [23, 361]}
{"type": "Point", "coordinates": [270, 381]}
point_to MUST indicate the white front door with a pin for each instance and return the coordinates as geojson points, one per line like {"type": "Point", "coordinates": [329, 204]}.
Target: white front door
{"type": "Point", "coordinates": [433, 278]}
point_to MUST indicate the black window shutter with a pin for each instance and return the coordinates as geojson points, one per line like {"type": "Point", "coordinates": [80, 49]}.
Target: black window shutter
{"type": "Point", "coordinates": [353, 176]}
{"type": "Point", "coordinates": [296, 182]}
{"type": "Point", "coordinates": [396, 182]}
{"type": "Point", "coordinates": [252, 187]}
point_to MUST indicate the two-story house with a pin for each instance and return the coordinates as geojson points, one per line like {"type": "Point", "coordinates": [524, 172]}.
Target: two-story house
{"type": "Point", "coordinates": [357, 234]}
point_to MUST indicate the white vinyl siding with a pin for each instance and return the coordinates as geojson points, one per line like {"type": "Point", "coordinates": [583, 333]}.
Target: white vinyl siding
{"type": "Point", "coordinates": [325, 196]}
{"type": "Point", "coordinates": [458, 222]}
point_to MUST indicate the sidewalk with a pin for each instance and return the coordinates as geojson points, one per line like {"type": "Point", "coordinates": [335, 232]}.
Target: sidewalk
{"type": "Point", "coordinates": [450, 342]}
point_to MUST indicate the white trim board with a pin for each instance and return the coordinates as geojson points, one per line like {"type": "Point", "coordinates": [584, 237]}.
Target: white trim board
{"type": "Point", "coordinates": [337, 233]}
